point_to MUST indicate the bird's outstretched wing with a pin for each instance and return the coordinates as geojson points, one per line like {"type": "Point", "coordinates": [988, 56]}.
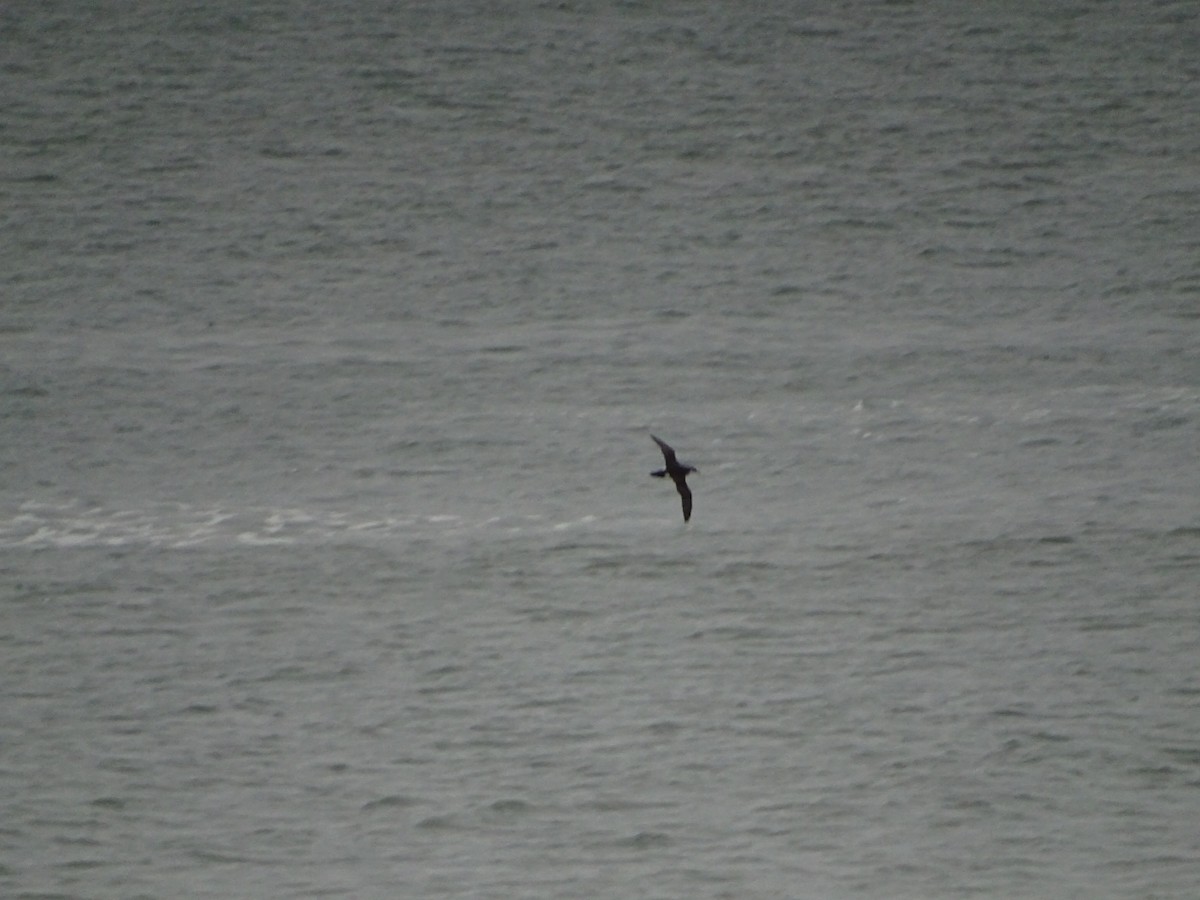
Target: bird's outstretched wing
{"type": "Point", "coordinates": [686, 495]}
{"type": "Point", "coordinates": [668, 453]}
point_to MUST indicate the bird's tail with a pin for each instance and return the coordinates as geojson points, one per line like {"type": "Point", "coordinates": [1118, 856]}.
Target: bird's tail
{"type": "Point", "coordinates": [661, 473]}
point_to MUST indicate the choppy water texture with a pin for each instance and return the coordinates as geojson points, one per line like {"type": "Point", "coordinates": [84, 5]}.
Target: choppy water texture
{"type": "Point", "coordinates": [331, 337]}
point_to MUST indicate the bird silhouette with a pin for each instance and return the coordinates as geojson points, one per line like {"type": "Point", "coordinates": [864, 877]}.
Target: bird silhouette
{"type": "Point", "coordinates": [678, 472]}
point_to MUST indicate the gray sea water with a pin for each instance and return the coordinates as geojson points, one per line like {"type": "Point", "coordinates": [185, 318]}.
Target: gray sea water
{"type": "Point", "coordinates": [331, 339]}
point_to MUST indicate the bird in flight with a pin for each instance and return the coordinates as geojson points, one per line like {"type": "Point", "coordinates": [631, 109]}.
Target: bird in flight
{"type": "Point", "coordinates": [678, 472]}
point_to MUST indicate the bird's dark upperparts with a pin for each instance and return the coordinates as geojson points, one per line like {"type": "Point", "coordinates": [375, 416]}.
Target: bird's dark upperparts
{"type": "Point", "coordinates": [678, 472]}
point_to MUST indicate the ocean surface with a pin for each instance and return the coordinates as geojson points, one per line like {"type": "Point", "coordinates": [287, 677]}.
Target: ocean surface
{"type": "Point", "coordinates": [331, 339]}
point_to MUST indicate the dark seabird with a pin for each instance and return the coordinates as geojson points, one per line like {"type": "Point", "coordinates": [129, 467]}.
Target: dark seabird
{"type": "Point", "coordinates": [679, 473]}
